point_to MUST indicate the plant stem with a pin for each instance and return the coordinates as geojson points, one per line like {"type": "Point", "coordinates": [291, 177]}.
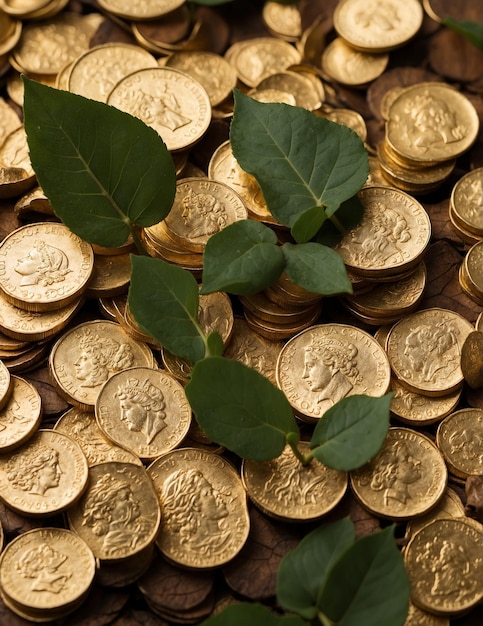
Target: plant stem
{"type": "Point", "coordinates": [324, 620]}
{"type": "Point", "coordinates": [292, 440]}
{"type": "Point", "coordinates": [338, 224]}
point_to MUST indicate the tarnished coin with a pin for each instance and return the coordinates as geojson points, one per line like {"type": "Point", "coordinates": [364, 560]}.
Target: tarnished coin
{"type": "Point", "coordinates": [144, 410]}
{"type": "Point", "coordinates": [94, 73]}
{"type": "Point", "coordinates": [405, 479]}
{"type": "Point", "coordinates": [82, 427]}
{"type": "Point", "coordinates": [445, 567]}
{"type": "Point", "coordinates": [417, 410]}
{"type": "Point", "coordinates": [201, 208]}
{"type": "Point", "coordinates": [377, 25]}
{"type": "Point", "coordinates": [460, 439]}
{"type": "Point", "coordinates": [46, 573]}
{"type": "Point", "coordinates": [431, 122]}
{"type": "Point", "coordinates": [424, 350]}
{"type": "Point", "coordinates": [204, 515]}
{"type": "Point", "coordinates": [328, 362]}
{"type": "Point", "coordinates": [351, 67]}
{"type": "Point", "coordinates": [44, 266]}
{"type": "Point", "coordinates": [172, 102]}
{"type": "Point", "coordinates": [118, 516]}
{"type": "Point", "coordinates": [467, 201]}
{"type": "Point", "coordinates": [21, 416]}
{"type": "Point", "coordinates": [287, 490]}
{"type": "Point", "coordinates": [392, 236]}
{"type": "Point", "coordinates": [45, 475]}
{"type": "Point", "coordinates": [87, 355]}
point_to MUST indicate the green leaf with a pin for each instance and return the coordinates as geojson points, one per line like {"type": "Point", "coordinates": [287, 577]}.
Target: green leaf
{"type": "Point", "coordinates": [368, 585]}
{"type": "Point", "coordinates": [243, 613]}
{"type": "Point", "coordinates": [214, 343]}
{"type": "Point", "coordinates": [300, 160]}
{"type": "Point", "coordinates": [316, 268]}
{"type": "Point", "coordinates": [473, 31]}
{"type": "Point", "coordinates": [307, 224]}
{"type": "Point", "coordinates": [102, 169]}
{"type": "Point", "coordinates": [349, 214]}
{"type": "Point", "coordinates": [163, 299]}
{"type": "Point", "coordinates": [242, 259]}
{"type": "Point", "coordinates": [239, 408]}
{"type": "Point", "coordinates": [302, 572]}
{"type": "Point", "coordinates": [351, 432]}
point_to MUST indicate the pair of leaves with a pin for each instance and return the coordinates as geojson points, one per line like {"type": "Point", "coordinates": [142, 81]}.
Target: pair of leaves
{"type": "Point", "coordinates": [369, 571]}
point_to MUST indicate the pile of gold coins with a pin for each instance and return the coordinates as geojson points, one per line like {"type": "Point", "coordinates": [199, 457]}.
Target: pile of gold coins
{"type": "Point", "coordinates": [123, 484]}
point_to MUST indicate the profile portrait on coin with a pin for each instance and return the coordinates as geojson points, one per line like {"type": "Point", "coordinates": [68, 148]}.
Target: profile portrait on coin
{"type": "Point", "coordinates": [99, 358]}
{"type": "Point", "coordinates": [143, 407]}
{"type": "Point", "coordinates": [193, 509]}
{"type": "Point", "coordinates": [44, 264]}
{"type": "Point", "coordinates": [13, 414]}
{"type": "Point", "coordinates": [162, 108]}
{"type": "Point", "coordinates": [396, 470]}
{"type": "Point", "coordinates": [432, 122]}
{"type": "Point", "coordinates": [330, 369]}
{"type": "Point", "coordinates": [202, 214]}
{"type": "Point", "coordinates": [42, 565]}
{"type": "Point", "coordinates": [35, 473]}
{"type": "Point", "coordinates": [112, 511]}
{"type": "Point", "coordinates": [432, 349]}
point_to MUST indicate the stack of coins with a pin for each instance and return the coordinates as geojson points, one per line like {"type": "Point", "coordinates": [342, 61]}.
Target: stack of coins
{"type": "Point", "coordinates": [465, 206]}
{"type": "Point", "coordinates": [33, 9]}
{"type": "Point", "coordinates": [471, 273]}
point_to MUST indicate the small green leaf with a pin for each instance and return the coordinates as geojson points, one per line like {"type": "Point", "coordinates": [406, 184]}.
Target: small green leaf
{"type": "Point", "coordinates": [163, 299]}
{"type": "Point", "coordinates": [349, 214]}
{"type": "Point", "coordinates": [473, 31]}
{"type": "Point", "coordinates": [242, 259]}
{"type": "Point", "coordinates": [316, 268]}
{"type": "Point", "coordinates": [308, 223]}
{"type": "Point", "coordinates": [351, 432]}
{"type": "Point", "coordinates": [302, 572]}
{"type": "Point", "coordinates": [214, 343]}
{"type": "Point", "coordinates": [299, 160]}
{"type": "Point", "coordinates": [102, 169]}
{"type": "Point", "coordinates": [368, 585]}
{"type": "Point", "coordinates": [256, 614]}
{"type": "Point", "coordinates": [239, 408]}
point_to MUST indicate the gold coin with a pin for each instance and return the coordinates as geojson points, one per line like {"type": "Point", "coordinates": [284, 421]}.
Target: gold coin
{"type": "Point", "coordinates": [282, 20]}
{"type": "Point", "coordinates": [473, 266]}
{"type": "Point", "coordinates": [405, 479]}
{"type": "Point", "coordinates": [287, 490]}
{"type": "Point", "coordinates": [204, 515]}
{"type": "Point", "coordinates": [10, 32]}
{"type": "Point", "coordinates": [460, 439]}
{"type": "Point", "coordinates": [430, 123]}
{"type": "Point", "coordinates": [44, 266]}
{"type": "Point", "coordinates": [20, 417]}
{"type": "Point", "coordinates": [351, 67]}
{"type": "Point", "coordinates": [272, 95]}
{"type": "Point", "coordinates": [170, 101]}
{"type": "Point", "coordinates": [215, 314]}
{"type": "Point", "coordinates": [46, 572]}
{"type": "Point", "coordinates": [424, 350]}
{"type": "Point", "coordinates": [417, 410]}
{"type": "Point", "coordinates": [82, 427]}
{"type": "Point", "coordinates": [95, 72]}
{"type": "Point", "coordinates": [14, 152]}
{"type": "Point", "coordinates": [328, 362]}
{"type": "Point", "coordinates": [392, 236]}
{"type": "Point", "coordinates": [449, 506]}
{"type": "Point", "coordinates": [45, 475]}
{"type": "Point", "coordinates": [296, 84]}
{"type": "Point", "coordinates": [110, 276]}
{"type": "Point", "coordinates": [22, 8]}
{"type": "Point", "coordinates": [179, 368]}
{"type": "Point", "coordinates": [472, 359]}
{"type": "Point", "coordinates": [445, 567]}
{"type": "Point", "coordinates": [377, 25]}
{"type": "Point", "coordinates": [9, 121]}
{"type": "Point", "coordinates": [418, 617]}
{"type": "Point", "coordinates": [84, 357]}
{"type": "Point", "coordinates": [5, 384]}
{"type": "Point", "coordinates": [467, 201]}
{"type": "Point", "coordinates": [118, 516]}
{"type": "Point", "coordinates": [349, 118]}
{"type": "Point", "coordinates": [201, 208]}
{"type": "Point", "coordinates": [144, 410]}
{"type": "Point", "coordinates": [147, 10]}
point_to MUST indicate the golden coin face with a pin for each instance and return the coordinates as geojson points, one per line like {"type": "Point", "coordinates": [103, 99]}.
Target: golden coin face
{"type": "Point", "coordinates": [378, 25]}
{"type": "Point", "coordinates": [445, 567]}
{"type": "Point", "coordinates": [45, 475]}
{"type": "Point", "coordinates": [204, 515]}
{"type": "Point", "coordinates": [431, 122]}
{"type": "Point", "coordinates": [83, 359]}
{"type": "Point", "coordinates": [424, 350]}
{"type": "Point", "coordinates": [460, 439]}
{"type": "Point", "coordinates": [467, 200]}
{"type": "Point", "coordinates": [417, 410]}
{"type": "Point", "coordinates": [328, 362]}
{"type": "Point", "coordinates": [392, 236]}
{"type": "Point", "coordinates": [406, 478]}
{"type": "Point", "coordinates": [44, 266]}
{"type": "Point", "coordinates": [147, 10]}
{"type": "Point", "coordinates": [215, 314]}
{"type": "Point", "coordinates": [170, 101]}
{"type": "Point", "coordinates": [144, 410]}
{"type": "Point", "coordinates": [202, 208]}
{"type": "Point", "coordinates": [20, 417]}
{"type": "Point", "coordinates": [46, 570]}
{"type": "Point", "coordinates": [288, 490]}
{"type": "Point", "coordinates": [118, 515]}
{"type": "Point", "coordinates": [352, 67]}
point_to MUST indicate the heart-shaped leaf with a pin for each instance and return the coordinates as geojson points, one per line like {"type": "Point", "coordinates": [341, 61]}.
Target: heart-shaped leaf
{"type": "Point", "coordinates": [242, 613]}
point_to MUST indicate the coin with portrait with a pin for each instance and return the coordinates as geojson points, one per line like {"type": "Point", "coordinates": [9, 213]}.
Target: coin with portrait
{"type": "Point", "coordinates": [21, 416]}
{"type": "Point", "coordinates": [460, 439]}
